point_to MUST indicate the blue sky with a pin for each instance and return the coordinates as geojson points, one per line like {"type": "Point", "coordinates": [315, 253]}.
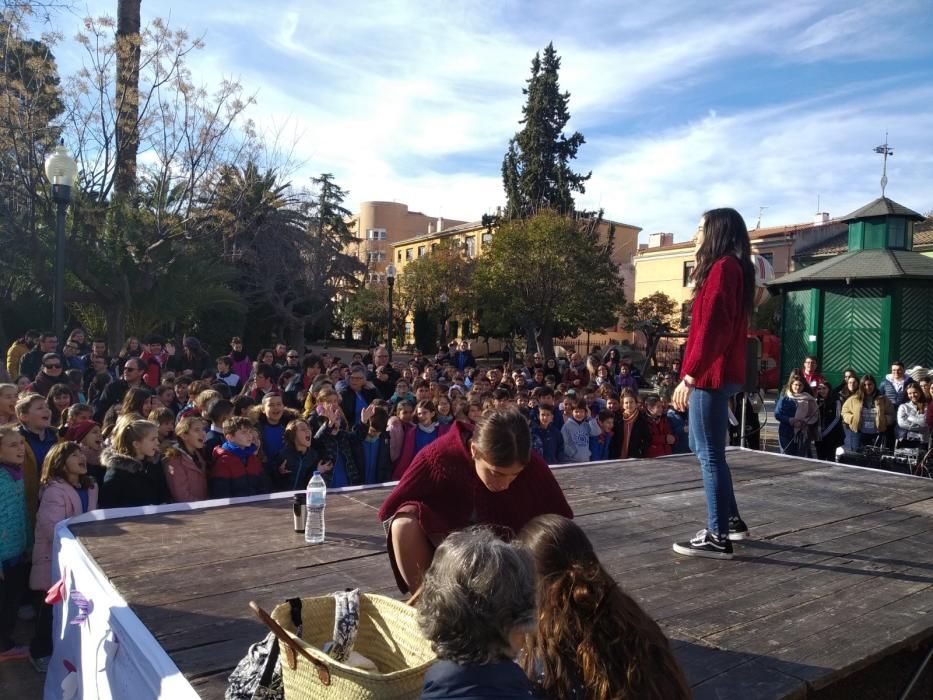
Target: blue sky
{"type": "Point", "coordinates": [685, 105]}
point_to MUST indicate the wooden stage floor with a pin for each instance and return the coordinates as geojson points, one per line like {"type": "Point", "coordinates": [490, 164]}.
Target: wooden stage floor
{"type": "Point", "coordinates": [831, 597]}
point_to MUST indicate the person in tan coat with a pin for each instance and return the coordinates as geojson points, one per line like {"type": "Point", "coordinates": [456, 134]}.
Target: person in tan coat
{"type": "Point", "coordinates": [866, 416]}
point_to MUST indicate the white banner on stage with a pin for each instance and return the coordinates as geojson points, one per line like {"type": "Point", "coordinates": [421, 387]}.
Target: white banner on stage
{"type": "Point", "coordinates": [101, 649]}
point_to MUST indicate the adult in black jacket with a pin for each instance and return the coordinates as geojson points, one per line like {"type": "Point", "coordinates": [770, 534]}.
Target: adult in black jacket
{"type": "Point", "coordinates": [31, 362]}
{"type": "Point", "coordinates": [357, 396]}
{"type": "Point", "coordinates": [132, 377]}
{"type": "Point", "coordinates": [384, 379]}
{"type": "Point", "coordinates": [383, 384]}
{"type": "Point", "coordinates": [192, 359]}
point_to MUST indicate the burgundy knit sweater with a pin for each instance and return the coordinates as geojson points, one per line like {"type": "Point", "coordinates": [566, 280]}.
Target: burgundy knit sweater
{"type": "Point", "coordinates": [718, 327]}
{"type": "Point", "coordinates": [448, 495]}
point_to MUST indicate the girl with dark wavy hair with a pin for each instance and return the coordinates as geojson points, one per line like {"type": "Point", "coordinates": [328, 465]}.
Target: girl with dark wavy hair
{"type": "Point", "coordinates": [593, 641]}
{"type": "Point", "coordinates": [714, 369]}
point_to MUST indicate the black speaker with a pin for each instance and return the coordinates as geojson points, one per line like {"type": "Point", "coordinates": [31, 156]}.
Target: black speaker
{"type": "Point", "coordinates": [752, 365]}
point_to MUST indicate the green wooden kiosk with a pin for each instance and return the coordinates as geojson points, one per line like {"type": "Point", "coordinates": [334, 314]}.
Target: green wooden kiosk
{"type": "Point", "coordinates": [865, 308]}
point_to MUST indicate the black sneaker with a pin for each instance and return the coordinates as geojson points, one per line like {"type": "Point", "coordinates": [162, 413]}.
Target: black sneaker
{"type": "Point", "coordinates": [705, 544]}
{"type": "Point", "coordinates": [738, 530]}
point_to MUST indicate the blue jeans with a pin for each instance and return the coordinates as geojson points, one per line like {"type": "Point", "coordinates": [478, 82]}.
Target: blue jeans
{"type": "Point", "coordinates": [854, 442]}
{"type": "Point", "coordinates": [708, 430]}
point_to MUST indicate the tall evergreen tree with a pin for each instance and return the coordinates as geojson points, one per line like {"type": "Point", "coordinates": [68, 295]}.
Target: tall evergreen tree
{"type": "Point", "coordinates": [536, 170]}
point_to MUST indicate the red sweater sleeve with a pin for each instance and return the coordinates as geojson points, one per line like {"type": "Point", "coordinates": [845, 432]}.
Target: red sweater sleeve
{"type": "Point", "coordinates": [717, 309]}
{"type": "Point", "coordinates": [422, 481]}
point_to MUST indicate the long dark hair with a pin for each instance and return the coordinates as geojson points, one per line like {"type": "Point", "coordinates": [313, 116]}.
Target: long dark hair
{"type": "Point", "coordinates": [724, 233]}
{"type": "Point", "coordinates": [592, 636]}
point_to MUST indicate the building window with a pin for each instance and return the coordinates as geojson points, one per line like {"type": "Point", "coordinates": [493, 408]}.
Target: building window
{"type": "Point", "coordinates": [376, 278]}
{"type": "Point", "coordinates": [375, 256]}
{"type": "Point", "coordinates": [433, 247]}
{"type": "Point", "coordinates": [469, 245]}
{"type": "Point", "coordinates": [420, 251]}
{"type": "Point", "coordinates": [376, 234]}
{"type": "Point", "coordinates": [408, 253]}
{"type": "Point", "coordinates": [685, 314]}
{"type": "Point", "coordinates": [398, 257]}
{"type": "Point", "coordinates": [487, 239]}
{"type": "Point", "coordinates": [688, 273]}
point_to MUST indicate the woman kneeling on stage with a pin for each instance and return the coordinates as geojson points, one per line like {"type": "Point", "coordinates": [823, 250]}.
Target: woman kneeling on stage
{"type": "Point", "coordinates": [483, 475]}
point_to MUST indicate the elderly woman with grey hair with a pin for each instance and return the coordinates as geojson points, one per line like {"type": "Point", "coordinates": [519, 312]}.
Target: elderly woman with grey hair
{"type": "Point", "coordinates": [477, 604]}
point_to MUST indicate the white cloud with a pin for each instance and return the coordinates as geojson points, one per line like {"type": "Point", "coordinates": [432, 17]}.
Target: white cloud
{"type": "Point", "coordinates": [783, 158]}
{"type": "Point", "coordinates": [401, 100]}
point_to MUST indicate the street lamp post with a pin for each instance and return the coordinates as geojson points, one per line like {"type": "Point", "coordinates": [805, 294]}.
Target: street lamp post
{"type": "Point", "coordinates": [61, 170]}
{"type": "Point", "coordinates": [443, 300]}
{"type": "Point", "coordinates": [390, 280]}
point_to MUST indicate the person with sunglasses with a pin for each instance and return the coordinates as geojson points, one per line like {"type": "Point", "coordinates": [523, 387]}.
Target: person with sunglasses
{"type": "Point", "coordinates": [48, 376]}
{"type": "Point", "coordinates": [133, 372]}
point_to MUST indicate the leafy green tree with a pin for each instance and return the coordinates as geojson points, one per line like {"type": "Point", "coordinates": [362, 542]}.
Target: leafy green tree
{"type": "Point", "coordinates": [445, 270]}
{"type": "Point", "coordinates": [289, 247]}
{"type": "Point", "coordinates": [658, 308]}
{"type": "Point", "coordinates": [536, 169]}
{"type": "Point", "coordinates": [549, 272]}
{"type": "Point", "coordinates": [331, 269]}
{"type": "Point", "coordinates": [366, 311]}
{"type": "Point", "coordinates": [654, 316]}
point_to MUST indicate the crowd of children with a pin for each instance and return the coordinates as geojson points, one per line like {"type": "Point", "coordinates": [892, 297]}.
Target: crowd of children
{"type": "Point", "coordinates": [152, 426]}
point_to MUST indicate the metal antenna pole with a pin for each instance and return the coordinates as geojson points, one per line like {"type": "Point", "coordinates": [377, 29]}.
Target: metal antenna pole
{"type": "Point", "coordinates": [884, 150]}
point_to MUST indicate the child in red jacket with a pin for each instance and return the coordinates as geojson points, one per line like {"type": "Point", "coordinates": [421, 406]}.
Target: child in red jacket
{"type": "Point", "coordinates": [662, 437]}
{"type": "Point", "coordinates": [237, 469]}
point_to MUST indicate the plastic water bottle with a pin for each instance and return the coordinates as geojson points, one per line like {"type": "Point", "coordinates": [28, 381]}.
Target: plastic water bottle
{"type": "Point", "coordinates": [316, 495]}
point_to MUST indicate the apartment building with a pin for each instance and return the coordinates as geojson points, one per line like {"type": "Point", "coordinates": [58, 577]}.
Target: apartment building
{"type": "Point", "coordinates": [379, 225]}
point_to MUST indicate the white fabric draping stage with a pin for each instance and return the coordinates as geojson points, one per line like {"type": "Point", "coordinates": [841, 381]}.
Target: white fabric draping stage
{"type": "Point", "coordinates": [101, 649]}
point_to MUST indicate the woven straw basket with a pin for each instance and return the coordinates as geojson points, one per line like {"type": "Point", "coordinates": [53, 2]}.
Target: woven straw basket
{"type": "Point", "coordinates": [388, 635]}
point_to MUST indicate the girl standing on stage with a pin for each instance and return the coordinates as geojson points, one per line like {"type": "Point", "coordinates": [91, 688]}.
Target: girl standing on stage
{"type": "Point", "coordinates": [714, 369]}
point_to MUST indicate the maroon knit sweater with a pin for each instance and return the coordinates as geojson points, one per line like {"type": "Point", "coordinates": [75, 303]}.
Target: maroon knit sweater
{"type": "Point", "coordinates": [718, 327]}
{"type": "Point", "coordinates": [448, 495]}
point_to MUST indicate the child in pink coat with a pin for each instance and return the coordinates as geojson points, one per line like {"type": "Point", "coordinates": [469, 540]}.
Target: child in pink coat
{"type": "Point", "coordinates": [66, 490]}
